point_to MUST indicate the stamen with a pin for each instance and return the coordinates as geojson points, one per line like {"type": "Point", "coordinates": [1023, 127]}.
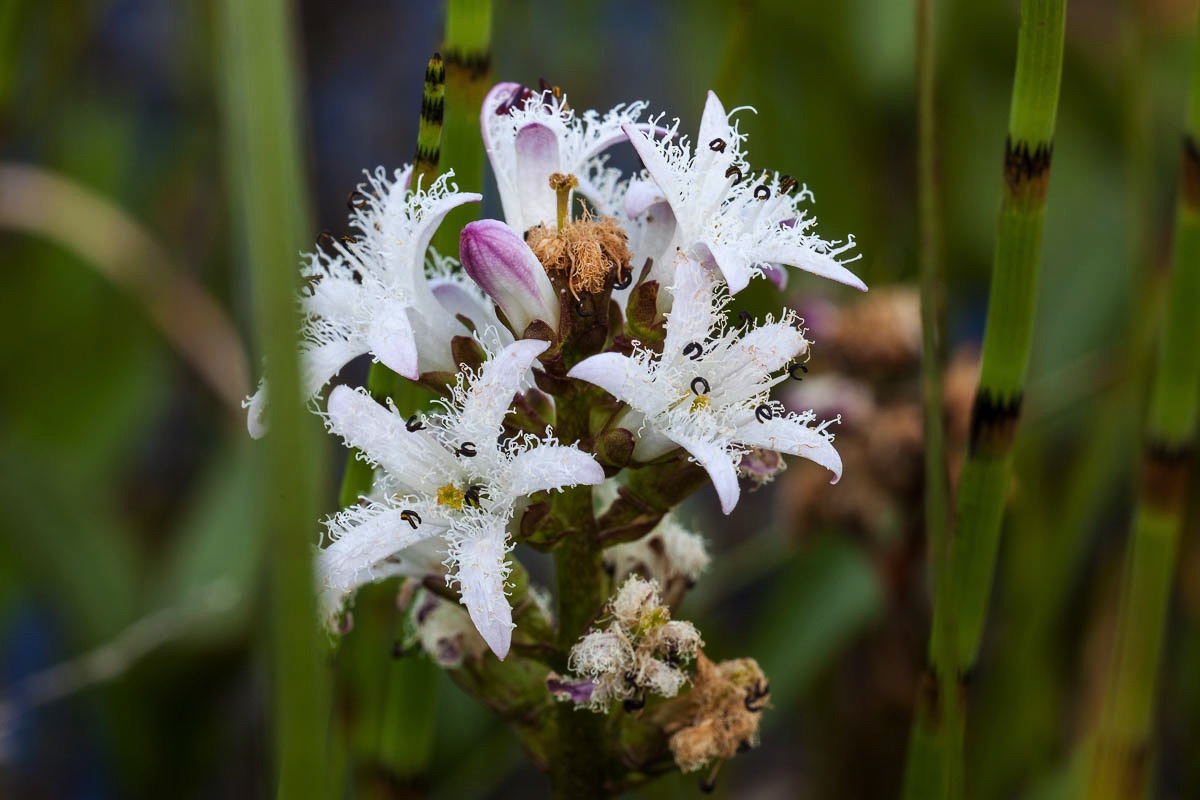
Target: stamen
{"type": "Point", "coordinates": [581, 309]}
{"type": "Point", "coordinates": [414, 424]}
{"type": "Point", "coordinates": [702, 382]}
{"type": "Point", "coordinates": [411, 517]}
{"type": "Point", "coordinates": [466, 449]}
{"type": "Point", "coordinates": [792, 371]}
{"type": "Point", "coordinates": [788, 184]}
{"type": "Point", "coordinates": [693, 351]}
{"type": "Point", "coordinates": [717, 145]}
{"type": "Point", "coordinates": [762, 192]}
{"type": "Point", "coordinates": [624, 281]}
{"type": "Point", "coordinates": [471, 496]}
{"type": "Point", "coordinates": [764, 412]}
{"type": "Point", "coordinates": [729, 173]}
{"type": "Point", "coordinates": [562, 184]}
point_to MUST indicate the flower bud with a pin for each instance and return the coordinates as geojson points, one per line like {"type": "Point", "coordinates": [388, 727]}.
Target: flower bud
{"type": "Point", "coordinates": [497, 259]}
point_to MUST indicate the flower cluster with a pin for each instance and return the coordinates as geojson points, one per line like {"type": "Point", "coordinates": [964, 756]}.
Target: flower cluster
{"type": "Point", "coordinates": [595, 313]}
{"type": "Point", "coordinates": [639, 653]}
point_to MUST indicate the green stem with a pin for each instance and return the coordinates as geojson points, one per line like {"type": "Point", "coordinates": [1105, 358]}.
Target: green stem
{"type": "Point", "coordinates": [1123, 741]}
{"type": "Point", "coordinates": [578, 769]}
{"type": "Point", "coordinates": [935, 758]}
{"type": "Point", "coordinates": [270, 199]}
{"type": "Point", "coordinates": [1008, 337]}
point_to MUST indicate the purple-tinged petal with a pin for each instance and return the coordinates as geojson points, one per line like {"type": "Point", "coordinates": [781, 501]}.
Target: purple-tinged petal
{"type": "Point", "coordinates": [776, 275]}
{"type": "Point", "coordinates": [640, 196]}
{"type": "Point", "coordinates": [537, 158]}
{"type": "Point", "coordinates": [500, 262]}
{"type": "Point", "coordinates": [576, 692]}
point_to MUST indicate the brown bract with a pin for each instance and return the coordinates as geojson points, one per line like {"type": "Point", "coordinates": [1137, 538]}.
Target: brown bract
{"type": "Point", "coordinates": [587, 250]}
{"type": "Point", "coordinates": [724, 709]}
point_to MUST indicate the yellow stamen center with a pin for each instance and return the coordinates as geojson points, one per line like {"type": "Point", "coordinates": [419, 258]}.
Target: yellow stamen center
{"type": "Point", "coordinates": [451, 495]}
{"type": "Point", "coordinates": [700, 402]}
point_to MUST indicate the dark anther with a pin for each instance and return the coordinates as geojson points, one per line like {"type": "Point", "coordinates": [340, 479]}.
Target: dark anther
{"type": "Point", "coordinates": [357, 199]}
{"type": "Point", "coordinates": [717, 145]}
{"type": "Point", "coordinates": [745, 317]}
{"type": "Point", "coordinates": [703, 383]}
{"type": "Point", "coordinates": [635, 703]}
{"type": "Point", "coordinates": [764, 412]}
{"type": "Point", "coordinates": [414, 424]}
{"type": "Point", "coordinates": [693, 351]}
{"type": "Point", "coordinates": [466, 449]}
{"type": "Point", "coordinates": [788, 184]}
{"type": "Point", "coordinates": [762, 192]}
{"type": "Point", "coordinates": [471, 495]}
{"type": "Point", "coordinates": [581, 309]}
{"type": "Point", "coordinates": [729, 173]}
{"type": "Point", "coordinates": [624, 281]}
{"type": "Point", "coordinates": [708, 785]}
{"type": "Point", "coordinates": [792, 371]}
{"type": "Point", "coordinates": [760, 690]}
{"type": "Point", "coordinates": [411, 517]}
{"type": "Point", "coordinates": [348, 240]}
{"type": "Point", "coordinates": [324, 238]}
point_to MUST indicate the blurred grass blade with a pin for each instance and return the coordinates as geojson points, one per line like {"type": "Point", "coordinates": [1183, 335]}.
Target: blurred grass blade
{"type": "Point", "coordinates": [257, 69]}
{"type": "Point", "coordinates": [1123, 748]}
{"type": "Point", "coordinates": [39, 202]}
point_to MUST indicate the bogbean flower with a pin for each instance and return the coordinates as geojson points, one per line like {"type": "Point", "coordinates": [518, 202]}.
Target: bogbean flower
{"type": "Point", "coordinates": [448, 477]}
{"type": "Point", "coordinates": [707, 392]}
{"type": "Point", "coordinates": [722, 213]}
{"type": "Point", "coordinates": [530, 136]}
{"type": "Point", "coordinates": [369, 293]}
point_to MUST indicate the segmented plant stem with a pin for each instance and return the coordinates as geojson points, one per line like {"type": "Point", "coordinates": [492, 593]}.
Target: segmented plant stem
{"type": "Point", "coordinates": [1123, 741]}
{"type": "Point", "coordinates": [468, 58]}
{"type": "Point", "coordinates": [935, 760]}
{"type": "Point", "coordinates": [262, 129]}
{"type": "Point", "coordinates": [979, 505]}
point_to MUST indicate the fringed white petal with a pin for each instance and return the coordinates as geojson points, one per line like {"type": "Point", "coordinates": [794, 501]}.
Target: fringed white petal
{"type": "Point", "coordinates": [553, 467]}
{"type": "Point", "coordinates": [793, 434]}
{"type": "Point", "coordinates": [480, 567]}
{"type": "Point", "coordinates": [413, 459]}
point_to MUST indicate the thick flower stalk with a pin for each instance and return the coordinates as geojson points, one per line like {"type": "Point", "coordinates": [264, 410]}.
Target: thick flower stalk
{"type": "Point", "coordinates": [583, 341]}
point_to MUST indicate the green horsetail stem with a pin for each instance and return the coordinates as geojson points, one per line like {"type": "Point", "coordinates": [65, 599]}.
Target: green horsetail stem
{"type": "Point", "coordinates": [429, 135]}
{"type": "Point", "coordinates": [934, 766]}
{"type": "Point", "coordinates": [964, 560]}
{"type": "Point", "coordinates": [1122, 751]}
{"type": "Point", "coordinates": [468, 55]}
{"type": "Point", "coordinates": [983, 484]}
{"type": "Point", "coordinates": [257, 76]}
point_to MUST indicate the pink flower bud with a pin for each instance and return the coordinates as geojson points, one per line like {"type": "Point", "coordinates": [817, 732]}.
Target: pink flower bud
{"type": "Point", "coordinates": [497, 259]}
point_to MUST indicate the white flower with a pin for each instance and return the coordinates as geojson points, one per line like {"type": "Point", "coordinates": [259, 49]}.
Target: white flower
{"type": "Point", "coordinates": [725, 215]}
{"type": "Point", "coordinates": [530, 135]}
{"type": "Point", "coordinates": [708, 390]}
{"type": "Point", "coordinates": [370, 293]}
{"type": "Point", "coordinates": [448, 477]}
{"type": "Point", "coordinates": [669, 554]}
